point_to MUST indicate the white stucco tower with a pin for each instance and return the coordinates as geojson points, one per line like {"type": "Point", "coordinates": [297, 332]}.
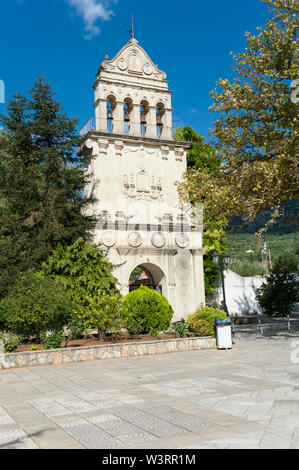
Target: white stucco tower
{"type": "Point", "coordinates": [135, 165]}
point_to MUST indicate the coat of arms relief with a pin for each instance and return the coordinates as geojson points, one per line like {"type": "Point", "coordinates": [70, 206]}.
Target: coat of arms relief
{"type": "Point", "coordinates": [143, 186]}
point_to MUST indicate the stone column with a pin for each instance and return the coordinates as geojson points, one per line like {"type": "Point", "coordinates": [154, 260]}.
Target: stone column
{"type": "Point", "coordinates": [118, 118]}
{"type": "Point", "coordinates": [151, 130]}
{"type": "Point", "coordinates": [171, 278]}
{"type": "Point", "coordinates": [101, 115]}
{"type": "Point", "coordinates": [198, 275]}
{"type": "Point", "coordinates": [135, 120]}
{"type": "Point", "coordinates": [167, 127]}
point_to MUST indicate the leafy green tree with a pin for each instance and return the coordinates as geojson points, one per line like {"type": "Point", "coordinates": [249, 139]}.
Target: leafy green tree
{"type": "Point", "coordinates": [256, 135]}
{"type": "Point", "coordinates": [36, 304]}
{"type": "Point", "coordinates": [84, 270]}
{"type": "Point", "coordinates": [279, 293]}
{"type": "Point", "coordinates": [41, 183]}
{"type": "Point", "coordinates": [200, 157]}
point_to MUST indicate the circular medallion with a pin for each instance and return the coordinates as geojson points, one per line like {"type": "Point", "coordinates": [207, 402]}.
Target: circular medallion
{"type": "Point", "coordinates": [108, 239]}
{"type": "Point", "coordinates": [134, 239]}
{"type": "Point", "coordinates": [122, 64]}
{"type": "Point", "coordinates": [148, 69]}
{"type": "Point", "coordinates": [158, 239]}
{"type": "Point", "coordinates": [182, 240]}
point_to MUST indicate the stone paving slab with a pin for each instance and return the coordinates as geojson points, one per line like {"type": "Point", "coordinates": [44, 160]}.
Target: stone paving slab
{"type": "Point", "coordinates": [247, 397]}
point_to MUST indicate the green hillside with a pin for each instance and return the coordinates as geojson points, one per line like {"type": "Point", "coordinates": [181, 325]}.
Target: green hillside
{"type": "Point", "coordinates": [250, 264]}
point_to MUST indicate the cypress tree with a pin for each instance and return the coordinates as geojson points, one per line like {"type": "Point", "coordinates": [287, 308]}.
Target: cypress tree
{"type": "Point", "coordinates": [41, 183]}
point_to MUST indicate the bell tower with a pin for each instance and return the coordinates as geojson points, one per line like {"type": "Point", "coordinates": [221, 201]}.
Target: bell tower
{"type": "Point", "coordinates": [135, 164]}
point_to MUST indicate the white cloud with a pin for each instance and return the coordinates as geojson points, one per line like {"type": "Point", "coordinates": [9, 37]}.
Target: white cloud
{"type": "Point", "coordinates": [92, 11]}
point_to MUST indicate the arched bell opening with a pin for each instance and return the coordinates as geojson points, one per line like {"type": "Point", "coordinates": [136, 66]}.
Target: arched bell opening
{"type": "Point", "coordinates": [144, 107]}
{"type": "Point", "coordinates": [111, 103]}
{"type": "Point", "coordinates": [128, 105]}
{"type": "Point", "coordinates": [160, 110]}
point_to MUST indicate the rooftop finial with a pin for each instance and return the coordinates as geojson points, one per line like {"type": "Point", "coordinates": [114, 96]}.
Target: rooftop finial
{"type": "Point", "coordinates": [131, 31]}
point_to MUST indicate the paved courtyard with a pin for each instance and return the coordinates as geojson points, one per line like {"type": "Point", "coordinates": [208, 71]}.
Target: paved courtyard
{"type": "Point", "coordinates": [247, 397]}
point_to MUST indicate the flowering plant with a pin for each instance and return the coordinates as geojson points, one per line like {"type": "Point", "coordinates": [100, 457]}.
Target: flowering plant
{"type": "Point", "coordinates": [103, 313]}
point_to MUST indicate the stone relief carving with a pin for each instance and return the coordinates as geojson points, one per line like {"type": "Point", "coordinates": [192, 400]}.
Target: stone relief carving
{"type": "Point", "coordinates": [108, 239]}
{"type": "Point", "coordinates": [103, 146]}
{"type": "Point", "coordinates": [134, 239]}
{"type": "Point", "coordinates": [119, 145]}
{"type": "Point", "coordinates": [141, 149]}
{"type": "Point", "coordinates": [132, 59]}
{"type": "Point", "coordinates": [122, 64]}
{"type": "Point", "coordinates": [142, 185]}
{"type": "Point", "coordinates": [165, 152]}
{"type": "Point", "coordinates": [134, 62]}
{"type": "Point", "coordinates": [182, 240]}
{"type": "Point", "coordinates": [179, 152]}
{"type": "Point", "coordinates": [147, 69]}
{"type": "Point", "coordinates": [107, 66]}
{"type": "Point", "coordinates": [158, 239]}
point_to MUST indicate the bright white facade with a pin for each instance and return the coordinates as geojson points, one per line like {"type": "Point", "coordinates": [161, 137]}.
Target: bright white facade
{"type": "Point", "coordinates": [240, 293]}
{"type": "Point", "coordinates": [135, 166]}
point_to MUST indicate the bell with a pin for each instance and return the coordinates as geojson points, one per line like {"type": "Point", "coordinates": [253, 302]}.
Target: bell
{"type": "Point", "coordinates": [142, 118]}
{"type": "Point", "coordinates": [159, 120]}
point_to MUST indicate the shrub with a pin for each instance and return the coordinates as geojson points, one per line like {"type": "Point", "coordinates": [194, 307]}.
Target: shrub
{"type": "Point", "coordinates": [76, 324]}
{"type": "Point", "coordinates": [278, 295]}
{"type": "Point", "coordinates": [179, 328]}
{"type": "Point", "coordinates": [51, 341]}
{"type": "Point", "coordinates": [82, 269]}
{"type": "Point", "coordinates": [202, 322]}
{"type": "Point", "coordinates": [145, 310]}
{"type": "Point", "coordinates": [103, 313]}
{"type": "Point", "coordinates": [36, 304]}
{"type": "Point", "coordinates": [11, 341]}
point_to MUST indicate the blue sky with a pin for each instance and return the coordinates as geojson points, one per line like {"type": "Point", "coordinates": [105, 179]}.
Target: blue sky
{"type": "Point", "coordinates": [66, 40]}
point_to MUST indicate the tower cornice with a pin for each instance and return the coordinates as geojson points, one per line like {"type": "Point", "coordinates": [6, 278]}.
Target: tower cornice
{"type": "Point", "coordinates": [132, 139]}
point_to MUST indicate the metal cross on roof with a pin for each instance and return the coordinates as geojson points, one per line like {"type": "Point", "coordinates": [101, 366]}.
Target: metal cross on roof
{"type": "Point", "coordinates": [131, 31]}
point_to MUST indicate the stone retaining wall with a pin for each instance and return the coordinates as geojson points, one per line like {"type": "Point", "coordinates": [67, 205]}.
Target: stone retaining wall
{"type": "Point", "coordinates": [90, 353]}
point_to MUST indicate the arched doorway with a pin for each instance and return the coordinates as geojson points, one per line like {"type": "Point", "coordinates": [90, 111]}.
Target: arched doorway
{"type": "Point", "coordinates": [148, 275]}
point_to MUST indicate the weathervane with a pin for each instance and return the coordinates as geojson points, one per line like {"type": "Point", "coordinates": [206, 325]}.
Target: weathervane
{"type": "Point", "coordinates": [131, 31]}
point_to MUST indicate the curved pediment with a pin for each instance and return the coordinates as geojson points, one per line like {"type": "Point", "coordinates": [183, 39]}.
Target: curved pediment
{"type": "Point", "coordinates": [132, 60]}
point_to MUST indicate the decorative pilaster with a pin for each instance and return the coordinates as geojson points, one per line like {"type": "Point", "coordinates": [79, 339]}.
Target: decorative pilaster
{"type": "Point", "coordinates": [135, 120]}
{"type": "Point", "coordinates": [167, 128]}
{"type": "Point", "coordinates": [101, 115]}
{"type": "Point", "coordinates": [151, 130]}
{"type": "Point", "coordinates": [118, 118]}
{"type": "Point", "coordinates": [171, 277]}
{"type": "Point", "coordinates": [198, 275]}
